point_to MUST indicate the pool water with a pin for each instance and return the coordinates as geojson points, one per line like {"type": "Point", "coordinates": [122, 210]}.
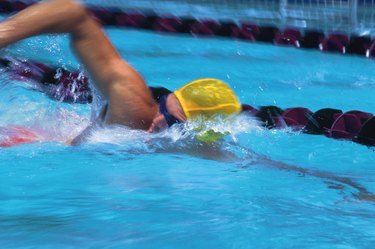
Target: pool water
{"type": "Point", "coordinates": [257, 188]}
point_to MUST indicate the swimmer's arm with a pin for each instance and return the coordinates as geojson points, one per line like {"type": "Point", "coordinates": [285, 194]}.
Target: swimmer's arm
{"type": "Point", "coordinates": [363, 194]}
{"type": "Point", "coordinates": [82, 137]}
{"type": "Point", "coordinates": [130, 102]}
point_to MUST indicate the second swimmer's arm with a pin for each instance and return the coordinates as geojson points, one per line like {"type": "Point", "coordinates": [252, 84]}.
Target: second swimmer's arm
{"type": "Point", "coordinates": [130, 102]}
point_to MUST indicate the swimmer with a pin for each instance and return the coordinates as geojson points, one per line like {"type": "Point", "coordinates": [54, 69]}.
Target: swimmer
{"type": "Point", "coordinates": [129, 101]}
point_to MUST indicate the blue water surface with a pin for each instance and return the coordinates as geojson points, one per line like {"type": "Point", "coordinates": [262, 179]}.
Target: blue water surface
{"type": "Point", "coordinates": [257, 188]}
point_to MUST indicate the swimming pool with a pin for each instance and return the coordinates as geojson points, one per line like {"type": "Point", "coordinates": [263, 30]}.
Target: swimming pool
{"type": "Point", "coordinates": [128, 189]}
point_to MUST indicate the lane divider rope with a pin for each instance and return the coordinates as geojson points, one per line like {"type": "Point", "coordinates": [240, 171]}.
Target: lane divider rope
{"type": "Point", "coordinates": [73, 87]}
{"type": "Point", "coordinates": [335, 42]}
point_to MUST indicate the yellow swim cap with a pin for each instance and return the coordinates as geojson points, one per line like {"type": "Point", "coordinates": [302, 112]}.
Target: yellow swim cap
{"type": "Point", "coordinates": [207, 97]}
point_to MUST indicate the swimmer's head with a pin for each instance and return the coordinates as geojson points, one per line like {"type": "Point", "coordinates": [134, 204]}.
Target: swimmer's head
{"type": "Point", "coordinates": [203, 97]}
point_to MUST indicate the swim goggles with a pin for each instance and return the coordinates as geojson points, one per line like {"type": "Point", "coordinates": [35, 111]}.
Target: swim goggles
{"type": "Point", "coordinates": [170, 119]}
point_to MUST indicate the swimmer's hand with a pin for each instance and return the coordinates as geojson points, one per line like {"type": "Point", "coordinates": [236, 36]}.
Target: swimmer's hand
{"type": "Point", "coordinates": [158, 124]}
{"type": "Point", "coordinates": [366, 196]}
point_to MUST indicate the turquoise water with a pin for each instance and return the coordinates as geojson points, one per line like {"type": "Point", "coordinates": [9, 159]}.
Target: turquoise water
{"type": "Point", "coordinates": [125, 189]}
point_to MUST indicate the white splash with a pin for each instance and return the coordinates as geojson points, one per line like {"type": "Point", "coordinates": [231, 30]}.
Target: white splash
{"type": "Point", "coordinates": [179, 135]}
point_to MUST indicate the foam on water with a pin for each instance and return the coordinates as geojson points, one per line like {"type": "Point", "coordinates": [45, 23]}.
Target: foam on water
{"type": "Point", "coordinates": [182, 136]}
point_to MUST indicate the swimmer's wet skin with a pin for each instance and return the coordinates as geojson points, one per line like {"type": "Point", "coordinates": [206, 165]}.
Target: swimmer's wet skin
{"type": "Point", "coordinates": [130, 102]}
